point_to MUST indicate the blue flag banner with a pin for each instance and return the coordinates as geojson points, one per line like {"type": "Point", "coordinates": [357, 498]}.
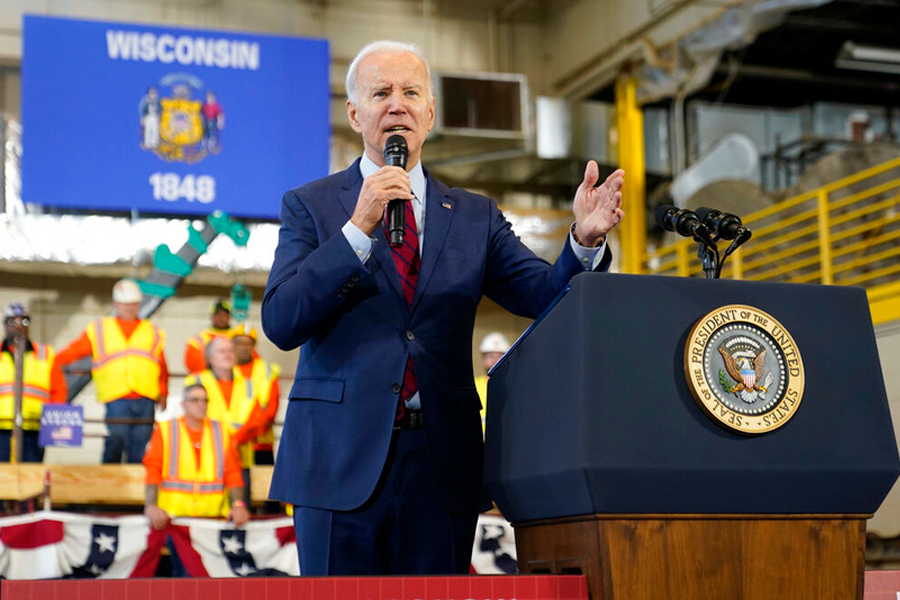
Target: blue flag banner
{"type": "Point", "coordinates": [173, 121]}
{"type": "Point", "coordinates": [61, 425]}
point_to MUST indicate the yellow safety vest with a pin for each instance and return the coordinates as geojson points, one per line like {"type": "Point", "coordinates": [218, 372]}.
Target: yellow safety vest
{"type": "Point", "coordinates": [481, 387]}
{"type": "Point", "coordinates": [124, 367]}
{"type": "Point", "coordinates": [200, 340]}
{"type": "Point", "coordinates": [234, 414]}
{"type": "Point", "coordinates": [187, 490]}
{"type": "Point", "coordinates": [35, 386]}
{"type": "Point", "coordinates": [261, 378]}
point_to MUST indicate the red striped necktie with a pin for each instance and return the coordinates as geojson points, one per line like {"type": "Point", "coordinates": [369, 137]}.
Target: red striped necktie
{"type": "Point", "coordinates": [406, 257]}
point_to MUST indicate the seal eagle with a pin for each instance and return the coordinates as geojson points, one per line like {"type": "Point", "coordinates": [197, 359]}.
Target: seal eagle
{"type": "Point", "coordinates": [742, 372]}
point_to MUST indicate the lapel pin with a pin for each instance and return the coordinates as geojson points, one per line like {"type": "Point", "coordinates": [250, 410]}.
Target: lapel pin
{"type": "Point", "coordinates": [447, 205]}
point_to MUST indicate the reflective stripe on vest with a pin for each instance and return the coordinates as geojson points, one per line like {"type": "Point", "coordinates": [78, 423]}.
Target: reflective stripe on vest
{"type": "Point", "coordinates": [35, 386]}
{"type": "Point", "coordinates": [202, 339]}
{"type": "Point", "coordinates": [262, 376]}
{"type": "Point", "coordinates": [123, 367]}
{"type": "Point", "coordinates": [234, 413]}
{"type": "Point", "coordinates": [189, 489]}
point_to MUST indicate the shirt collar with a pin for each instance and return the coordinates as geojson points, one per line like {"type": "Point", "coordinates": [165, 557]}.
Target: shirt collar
{"type": "Point", "coordinates": [8, 346]}
{"type": "Point", "coordinates": [416, 177]}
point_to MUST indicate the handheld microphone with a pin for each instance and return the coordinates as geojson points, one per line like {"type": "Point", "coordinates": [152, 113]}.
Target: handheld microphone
{"type": "Point", "coordinates": [395, 155]}
{"type": "Point", "coordinates": [723, 225]}
{"type": "Point", "coordinates": [682, 221]}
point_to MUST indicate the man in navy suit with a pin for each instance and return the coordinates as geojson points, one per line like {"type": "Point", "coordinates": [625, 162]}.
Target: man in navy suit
{"type": "Point", "coordinates": [381, 451]}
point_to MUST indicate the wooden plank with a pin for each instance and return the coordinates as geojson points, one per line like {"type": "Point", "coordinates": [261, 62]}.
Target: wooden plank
{"type": "Point", "coordinates": [21, 481]}
{"type": "Point", "coordinates": [260, 478]}
{"type": "Point", "coordinates": [96, 484]}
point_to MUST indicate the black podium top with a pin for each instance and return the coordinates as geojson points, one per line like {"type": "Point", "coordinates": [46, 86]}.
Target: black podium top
{"type": "Point", "coordinates": [590, 411]}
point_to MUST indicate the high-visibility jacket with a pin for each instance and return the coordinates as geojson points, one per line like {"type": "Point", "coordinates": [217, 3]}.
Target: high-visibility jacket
{"type": "Point", "coordinates": [481, 387]}
{"type": "Point", "coordinates": [195, 349]}
{"type": "Point", "coordinates": [235, 413]}
{"type": "Point", "coordinates": [123, 367]}
{"type": "Point", "coordinates": [35, 386]}
{"type": "Point", "coordinates": [264, 374]}
{"type": "Point", "coordinates": [186, 489]}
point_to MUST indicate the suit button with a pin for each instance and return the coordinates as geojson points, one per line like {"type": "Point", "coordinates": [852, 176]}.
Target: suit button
{"type": "Point", "coordinates": [410, 335]}
{"type": "Point", "coordinates": [354, 277]}
{"type": "Point", "coordinates": [396, 388]}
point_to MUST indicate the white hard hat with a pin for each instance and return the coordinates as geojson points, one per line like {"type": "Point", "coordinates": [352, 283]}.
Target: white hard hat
{"type": "Point", "coordinates": [14, 310]}
{"type": "Point", "coordinates": [494, 342]}
{"type": "Point", "coordinates": [127, 291]}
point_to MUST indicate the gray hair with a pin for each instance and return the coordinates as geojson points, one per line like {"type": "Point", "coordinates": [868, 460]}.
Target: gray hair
{"type": "Point", "coordinates": [388, 47]}
{"type": "Point", "coordinates": [215, 341]}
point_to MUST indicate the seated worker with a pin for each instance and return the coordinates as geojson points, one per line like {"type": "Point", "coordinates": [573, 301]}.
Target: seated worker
{"type": "Point", "coordinates": [195, 349]}
{"type": "Point", "coordinates": [192, 470]}
{"type": "Point", "coordinates": [42, 382]}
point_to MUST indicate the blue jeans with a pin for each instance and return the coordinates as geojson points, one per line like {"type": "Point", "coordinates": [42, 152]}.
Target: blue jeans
{"type": "Point", "coordinates": [129, 438]}
{"type": "Point", "coordinates": [31, 450]}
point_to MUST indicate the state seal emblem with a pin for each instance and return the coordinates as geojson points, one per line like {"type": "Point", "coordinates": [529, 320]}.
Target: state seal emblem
{"type": "Point", "coordinates": [744, 369]}
{"type": "Point", "coordinates": [179, 127]}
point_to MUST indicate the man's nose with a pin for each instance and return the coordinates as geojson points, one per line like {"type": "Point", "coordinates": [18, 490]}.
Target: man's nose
{"type": "Point", "coordinates": [398, 101]}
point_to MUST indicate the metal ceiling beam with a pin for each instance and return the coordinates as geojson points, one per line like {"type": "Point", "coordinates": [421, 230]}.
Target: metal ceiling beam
{"type": "Point", "coordinates": [820, 24]}
{"type": "Point", "coordinates": [769, 72]}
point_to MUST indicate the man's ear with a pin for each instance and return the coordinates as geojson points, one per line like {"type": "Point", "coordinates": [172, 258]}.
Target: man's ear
{"type": "Point", "coordinates": [431, 113]}
{"type": "Point", "coordinates": [351, 116]}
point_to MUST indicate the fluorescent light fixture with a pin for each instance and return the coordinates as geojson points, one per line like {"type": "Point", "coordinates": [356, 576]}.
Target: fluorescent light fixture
{"type": "Point", "coordinates": [868, 58]}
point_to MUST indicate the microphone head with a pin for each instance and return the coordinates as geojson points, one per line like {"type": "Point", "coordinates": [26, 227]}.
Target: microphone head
{"type": "Point", "coordinates": [687, 224]}
{"type": "Point", "coordinates": [395, 151]}
{"type": "Point", "coordinates": [705, 214]}
{"type": "Point", "coordinates": [664, 215]}
{"type": "Point", "coordinates": [722, 224]}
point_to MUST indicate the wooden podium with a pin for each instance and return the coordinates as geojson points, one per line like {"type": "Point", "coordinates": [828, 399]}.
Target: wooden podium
{"type": "Point", "coordinates": [708, 557]}
{"type": "Point", "coordinates": [607, 466]}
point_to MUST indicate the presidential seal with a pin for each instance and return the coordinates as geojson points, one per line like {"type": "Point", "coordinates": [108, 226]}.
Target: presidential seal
{"type": "Point", "coordinates": [744, 369]}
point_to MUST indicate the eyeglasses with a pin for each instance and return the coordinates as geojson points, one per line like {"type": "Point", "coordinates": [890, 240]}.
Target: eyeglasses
{"type": "Point", "coordinates": [196, 399]}
{"type": "Point", "coordinates": [23, 321]}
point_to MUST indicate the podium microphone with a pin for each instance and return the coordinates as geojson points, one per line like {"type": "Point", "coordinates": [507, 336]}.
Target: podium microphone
{"type": "Point", "coordinates": [683, 222]}
{"type": "Point", "coordinates": [723, 225]}
{"type": "Point", "coordinates": [395, 155]}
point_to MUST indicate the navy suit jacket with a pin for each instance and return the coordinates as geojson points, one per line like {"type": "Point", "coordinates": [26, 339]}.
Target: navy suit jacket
{"type": "Point", "coordinates": [355, 332]}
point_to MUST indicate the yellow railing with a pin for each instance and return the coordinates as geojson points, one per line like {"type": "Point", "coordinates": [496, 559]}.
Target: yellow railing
{"type": "Point", "coordinates": [843, 233]}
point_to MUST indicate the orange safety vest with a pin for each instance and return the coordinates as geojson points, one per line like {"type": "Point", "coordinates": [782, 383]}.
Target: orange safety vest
{"type": "Point", "coordinates": [187, 490]}
{"type": "Point", "coordinates": [35, 386]}
{"type": "Point", "coordinates": [234, 414]}
{"type": "Point", "coordinates": [124, 367]}
{"type": "Point", "coordinates": [261, 378]}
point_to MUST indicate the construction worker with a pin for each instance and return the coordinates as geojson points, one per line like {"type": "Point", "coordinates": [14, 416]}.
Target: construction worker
{"type": "Point", "coordinates": [493, 346]}
{"type": "Point", "coordinates": [195, 349]}
{"type": "Point", "coordinates": [192, 470]}
{"type": "Point", "coordinates": [233, 400]}
{"type": "Point", "coordinates": [129, 371]}
{"type": "Point", "coordinates": [263, 376]}
{"type": "Point", "coordinates": [42, 382]}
